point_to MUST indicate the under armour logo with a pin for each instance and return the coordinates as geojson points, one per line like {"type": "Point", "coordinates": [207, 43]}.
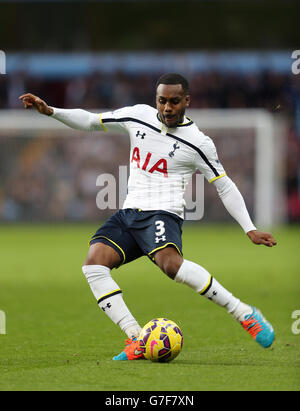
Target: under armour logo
{"type": "Point", "coordinates": [139, 134]}
{"type": "Point", "coordinates": [175, 147]}
{"type": "Point", "coordinates": [158, 239]}
{"type": "Point", "coordinates": [213, 295]}
{"type": "Point", "coordinates": [108, 305]}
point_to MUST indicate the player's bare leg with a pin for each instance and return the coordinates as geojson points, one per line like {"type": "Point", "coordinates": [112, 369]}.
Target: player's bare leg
{"type": "Point", "coordinates": [102, 254]}
{"type": "Point", "coordinates": [100, 261]}
{"type": "Point", "coordinates": [196, 277]}
{"type": "Point", "coordinates": [169, 261]}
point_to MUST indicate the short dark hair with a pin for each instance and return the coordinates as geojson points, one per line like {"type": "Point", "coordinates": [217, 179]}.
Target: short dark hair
{"type": "Point", "coordinates": [174, 78]}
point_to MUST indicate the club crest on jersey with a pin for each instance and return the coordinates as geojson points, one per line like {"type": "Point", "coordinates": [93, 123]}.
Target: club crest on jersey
{"type": "Point", "coordinates": [139, 134]}
{"type": "Point", "coordinates": [175, 147]}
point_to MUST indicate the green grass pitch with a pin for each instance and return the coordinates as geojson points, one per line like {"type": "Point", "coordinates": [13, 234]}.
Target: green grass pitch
{"type": "Point", "coordinates": [58, 339]}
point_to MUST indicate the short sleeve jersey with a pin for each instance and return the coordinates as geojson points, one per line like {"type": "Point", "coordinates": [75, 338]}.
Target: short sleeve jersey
{"type": "Point", "coordinates": [162, 159]}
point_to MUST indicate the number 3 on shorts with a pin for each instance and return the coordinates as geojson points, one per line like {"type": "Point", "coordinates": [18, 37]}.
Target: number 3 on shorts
{"type": "Point", "coordinates": [160, 228]}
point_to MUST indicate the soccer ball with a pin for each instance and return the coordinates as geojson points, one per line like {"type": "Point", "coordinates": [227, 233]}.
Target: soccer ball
{"type": "Point", "coordinates": [161, 340]}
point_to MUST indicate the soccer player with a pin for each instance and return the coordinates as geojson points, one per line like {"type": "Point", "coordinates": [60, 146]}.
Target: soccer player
{"type": "Point", "coordinates": [166, 149]}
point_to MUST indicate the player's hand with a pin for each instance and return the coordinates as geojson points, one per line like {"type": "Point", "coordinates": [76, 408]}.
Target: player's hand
{"type": "Point", "coordinates": [257, 237]}
{"type": "Point", "coordinates": [31, 101]}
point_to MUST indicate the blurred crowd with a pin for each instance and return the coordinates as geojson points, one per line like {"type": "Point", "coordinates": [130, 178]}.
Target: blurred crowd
{"type": "Point", "coordinates": [274, 91]}
{"type": "Point", "coordinates": [54, 177]}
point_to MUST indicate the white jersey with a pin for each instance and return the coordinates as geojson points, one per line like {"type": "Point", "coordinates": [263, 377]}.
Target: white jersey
{"type": "Point", "coordinates": [162, 159]}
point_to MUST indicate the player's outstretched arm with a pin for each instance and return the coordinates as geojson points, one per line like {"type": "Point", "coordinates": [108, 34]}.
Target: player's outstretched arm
{"type": "Point", "coordinates": [230, 195]}
{"type": "Point", "coordinates": [235, 205]}
{"type": "Point", "coordinates": [75, 118]}
{"type": "Point", "coordinates": [32, 101]}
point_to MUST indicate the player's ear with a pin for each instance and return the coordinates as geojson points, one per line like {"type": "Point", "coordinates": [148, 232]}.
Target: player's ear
{"type": "Point", "coordinates": [187, 100]}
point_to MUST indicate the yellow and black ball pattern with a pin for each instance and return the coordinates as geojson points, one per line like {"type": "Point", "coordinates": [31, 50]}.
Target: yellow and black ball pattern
{"type": "Point", "coordinates": [161, 340]}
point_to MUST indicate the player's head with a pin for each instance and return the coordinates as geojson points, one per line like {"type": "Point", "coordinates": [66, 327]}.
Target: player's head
{"type": "Point", "coordinates": [172, 98]}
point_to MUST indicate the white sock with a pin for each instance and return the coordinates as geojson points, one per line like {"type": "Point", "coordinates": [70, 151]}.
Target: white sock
{"type": "Point", "coordinates": [109, 298]}
{"type": "Point", "coordinates": [202, 282]}
{"type": "Point", "coordinates": [241, 311]}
